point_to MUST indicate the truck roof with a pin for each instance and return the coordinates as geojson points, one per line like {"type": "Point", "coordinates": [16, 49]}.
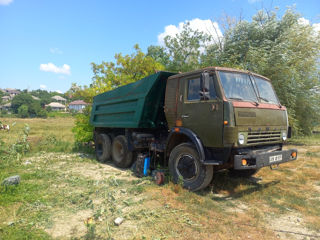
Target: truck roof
{"type": "Point", "coordinates": [218, 69]}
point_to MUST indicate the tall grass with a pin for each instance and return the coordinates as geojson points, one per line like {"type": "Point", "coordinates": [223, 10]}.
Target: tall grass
{"type": "Point", "coordinates": [50, 135]}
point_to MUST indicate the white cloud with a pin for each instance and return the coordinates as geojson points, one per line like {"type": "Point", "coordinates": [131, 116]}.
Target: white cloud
{"type": "Point", "coordinates": [50, 67]}
{"type": "Point", "coordinates": [5, 2]}
{"type": "Point", "coordinates": [58, 91]}
{"type": "Point", "coordinates": [303, 21]}
{"type": "Point", "coordinates": [205, 26]}
{"type": "Point", "coordinates": [55, 51]}
{"type": "Point", "coordinates": [316, 27]}
{"type": "Point", "coordinates": [42, 86]}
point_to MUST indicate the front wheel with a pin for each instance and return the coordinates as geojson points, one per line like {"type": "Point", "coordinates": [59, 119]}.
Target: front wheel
{"type": "Point", "coordinates": [184, 164]}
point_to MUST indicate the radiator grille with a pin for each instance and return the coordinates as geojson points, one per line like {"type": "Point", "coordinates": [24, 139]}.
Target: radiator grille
{"type": "Point", "coordinates": [263, 137]}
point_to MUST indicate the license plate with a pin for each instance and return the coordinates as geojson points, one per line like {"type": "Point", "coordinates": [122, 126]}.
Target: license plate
{"type": "Point", "coordinates": [275, 158]}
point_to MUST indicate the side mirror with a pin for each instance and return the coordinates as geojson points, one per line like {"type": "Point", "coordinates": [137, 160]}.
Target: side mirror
{"type": "Point", "coordinates": [204, 86]}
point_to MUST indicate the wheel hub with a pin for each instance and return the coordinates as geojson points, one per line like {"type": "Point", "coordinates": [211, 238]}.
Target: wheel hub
{"type": "Point", "coordinates": [187, 168]}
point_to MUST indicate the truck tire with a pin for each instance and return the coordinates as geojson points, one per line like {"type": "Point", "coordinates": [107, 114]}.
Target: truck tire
{"type": "Point", "coordinates": [242, 173]}
{"type": "Point", "coordinates": [121, 156]}
{"type": "Point", "coordinates": [184, 164]}
{"type": "Point", "coordinates": [103, 147]}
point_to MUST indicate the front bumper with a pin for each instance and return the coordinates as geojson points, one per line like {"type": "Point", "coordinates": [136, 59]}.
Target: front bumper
{"type": "Point", "coordinates": [263, 159]}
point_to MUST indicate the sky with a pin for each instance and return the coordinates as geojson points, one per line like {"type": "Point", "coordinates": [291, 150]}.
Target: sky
{"type": "Point", "coordinates": [50, 44]}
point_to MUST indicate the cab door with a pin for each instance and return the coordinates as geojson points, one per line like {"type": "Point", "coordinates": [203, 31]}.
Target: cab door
{"type": "Point", "coordinates": [202, 110]}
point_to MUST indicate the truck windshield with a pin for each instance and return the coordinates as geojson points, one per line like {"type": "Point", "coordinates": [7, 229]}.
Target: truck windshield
{"type": "Point", "coordinates": [238, 86]}
{"type": "Point", "coordinates": [266, 91]}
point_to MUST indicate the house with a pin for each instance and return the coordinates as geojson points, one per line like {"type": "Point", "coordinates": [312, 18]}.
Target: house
{"type": "Point", "coordinates": [6, 106]}
{"type": "Point", "coordinates": [59, 99]}
{"type": "Point", "coordinates": [12, 92]}
{"type": "Point", "coordinates": [6, 98]}
{"type": "Point", "coordinates": [55, 106]}
{"type": "Point", "coordinates": [77, 105]}
{"type": "Point", "coordinates": [35, 98]}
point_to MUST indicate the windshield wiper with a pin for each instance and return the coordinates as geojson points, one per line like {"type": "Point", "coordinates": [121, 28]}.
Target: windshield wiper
{"type": "Point", "coordinates": [236, 98]}
{"type": "Point", "coordinates": [264, 99]}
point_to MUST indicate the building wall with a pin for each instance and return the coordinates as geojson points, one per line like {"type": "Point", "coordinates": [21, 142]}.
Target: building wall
{"type": "Point", "coordinates": [77, 107]}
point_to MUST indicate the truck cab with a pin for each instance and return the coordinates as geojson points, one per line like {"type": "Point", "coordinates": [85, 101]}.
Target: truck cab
{"type": "Point", "coordinates": [232, 118]}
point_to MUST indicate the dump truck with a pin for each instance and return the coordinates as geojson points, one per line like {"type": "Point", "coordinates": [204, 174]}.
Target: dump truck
{"type": "Point", "coordinates": [193, 124]}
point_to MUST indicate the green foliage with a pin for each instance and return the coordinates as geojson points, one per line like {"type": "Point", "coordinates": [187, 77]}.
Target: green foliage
{"type": "Point", "coordinates": [41, 113]}
{"type": "Point", "coordinates": [56, 114]}
{"type": "Point", "coordinates": [283, 50]}
{"type": "Point", "coordinates": [22, 99]}
{"type": "Point", "coordinates": [1, 95]}
{"type": "Point", "coordinates": [184, 49]}
{"type": "Point", "coordinates": [83, 131]}
{"type": "Point", "coordinates": [49, 109]}
{"type": "Point", "coordinates": [4, 112]}
{"type": "Point", "coordinates": [18, 148]}
{"type": "Point", "coordinates": [25, 106]}
{"type": "Point", "coordinates": [159, 54]}
{"type": "Point", "coordinates": [23, 111]}
{"type": "Point", "coordinates": [109, 75]}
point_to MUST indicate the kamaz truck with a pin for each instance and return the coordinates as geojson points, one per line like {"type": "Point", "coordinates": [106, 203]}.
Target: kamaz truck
{"type": "Point", "coordinates": [193, 124]}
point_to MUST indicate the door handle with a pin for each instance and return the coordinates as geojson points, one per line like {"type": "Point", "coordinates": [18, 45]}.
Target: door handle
{"type": "Point", "coordinates": [184, 116]}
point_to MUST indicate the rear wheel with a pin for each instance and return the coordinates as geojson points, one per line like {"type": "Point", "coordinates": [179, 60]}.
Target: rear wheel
{"type": "Point", "coordinates": [184, 164]}
{"type": "Point", "coordinates": [121, 155]}
{"type": "Point", "coordinates": [103, 147]}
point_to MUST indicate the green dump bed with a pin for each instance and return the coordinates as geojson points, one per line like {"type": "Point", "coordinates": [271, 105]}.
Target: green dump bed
{"type": "Point", "coordinates": [136, 105]}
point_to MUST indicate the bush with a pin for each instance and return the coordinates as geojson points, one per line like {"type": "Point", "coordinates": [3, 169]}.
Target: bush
{"type": "Point", "coordinates": [42, 113]}
{"type": "Point", "coordinates": [23, 111]}
{"type": "Point", "coordinates": [83, 130]}
{"type": "Point", "coordinates": [4, 112]}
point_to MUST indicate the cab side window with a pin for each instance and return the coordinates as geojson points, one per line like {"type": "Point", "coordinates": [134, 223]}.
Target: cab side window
{"type": "Point", "coordinates": [195, 93]}
{"type": "Point", "coordinates": [193, 89]}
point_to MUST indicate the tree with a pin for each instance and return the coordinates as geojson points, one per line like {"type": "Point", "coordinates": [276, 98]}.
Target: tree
{"type": "Point", "coordinates": [184, 49]}
{"type": "Point", "coordinates": [21, 99]}
{"type": "Point", "coordinates": [1, 95]}
{"type": "Point", "coordinates": [23, 111]}
{"type": "Point", "coordinates": [159, 54]}
{"type": "Point", "coordinates": [281, 49]}
{"type": "Point", "coordinates": [33, 106]}
{"type": "Point", "coordinates": [107, 76]}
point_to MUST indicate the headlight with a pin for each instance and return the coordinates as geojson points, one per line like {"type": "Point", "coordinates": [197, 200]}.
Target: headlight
{"type": "Point", "coordinates": [284, 136]}
{"type": "Point", "coordinates": [241, 138]}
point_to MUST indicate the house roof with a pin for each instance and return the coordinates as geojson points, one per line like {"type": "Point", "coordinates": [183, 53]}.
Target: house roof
{"type": "Point", "coordinates": [78, 102]}
{"type": "Point", "coordinates": [12, 91]}
{"type": "Point", "coordinates": [55, 105]}
{"type": "Point", "coordinates": [35, 98]}
{"type": "Point", "coordinates": [59, 98]}
{"type": "Point", "coordinates": [8, 105]}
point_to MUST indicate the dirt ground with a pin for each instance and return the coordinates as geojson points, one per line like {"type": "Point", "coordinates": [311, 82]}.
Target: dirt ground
{"type": "Point", "coordinates": [79, 198]}
{"type": "Point", "coordinates": [165, 212]}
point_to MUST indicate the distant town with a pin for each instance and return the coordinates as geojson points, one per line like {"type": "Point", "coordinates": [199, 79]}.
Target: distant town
{"type": "Point", "coordinates": [37, 103]}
